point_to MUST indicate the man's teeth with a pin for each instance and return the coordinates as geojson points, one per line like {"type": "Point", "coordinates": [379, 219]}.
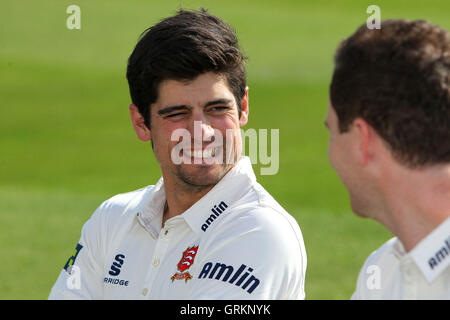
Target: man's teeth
{"type": "Point", "coordinates": [199, 154]}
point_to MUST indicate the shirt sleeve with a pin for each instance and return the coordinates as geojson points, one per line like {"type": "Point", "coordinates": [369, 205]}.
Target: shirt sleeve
{"type": "Point", "coordinates": [81, 277]}
{"type": "Point", "coordinates": [254, 258]}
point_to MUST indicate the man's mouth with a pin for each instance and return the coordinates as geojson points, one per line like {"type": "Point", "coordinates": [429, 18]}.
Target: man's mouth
{"type": "Point", "coordinates": [201, 154]}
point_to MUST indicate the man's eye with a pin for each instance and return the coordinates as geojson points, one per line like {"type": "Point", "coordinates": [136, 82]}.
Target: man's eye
{"type": "Point", "coordinates": [172, 115]}
{"type": "Point", "coordinates": [218, 108]}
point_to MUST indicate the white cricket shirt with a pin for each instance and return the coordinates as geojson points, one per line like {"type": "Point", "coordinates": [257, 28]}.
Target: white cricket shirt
{"type": "Point", "coordinates": [422, 273]}
{"type": "Point", "coordinates": [236, 242]}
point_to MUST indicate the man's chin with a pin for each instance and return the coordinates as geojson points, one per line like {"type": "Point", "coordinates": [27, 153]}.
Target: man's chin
{"type": "Point", "coordinates": [201, 175]}
{"type": "Point", "coordinates": [359, 209]}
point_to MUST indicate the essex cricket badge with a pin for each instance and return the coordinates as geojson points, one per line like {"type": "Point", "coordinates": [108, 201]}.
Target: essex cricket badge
{"type": "Point", "coordinates": [185, 263]}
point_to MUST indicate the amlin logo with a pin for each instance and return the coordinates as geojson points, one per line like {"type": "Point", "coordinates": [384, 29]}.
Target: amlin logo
{"type": "Point", "coordinates": [227, 273]}
{"type": "Point", "coordinates": [216, 210]}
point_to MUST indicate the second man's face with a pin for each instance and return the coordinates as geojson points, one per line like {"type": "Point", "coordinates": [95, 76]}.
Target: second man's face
{"type": "Point", "coordinates": [195, 129]}
{"type": "Point", "coordinates": [343, 157]}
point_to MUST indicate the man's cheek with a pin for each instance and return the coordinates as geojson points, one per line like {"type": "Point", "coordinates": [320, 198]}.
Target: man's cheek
{"type": "Point", "coordinates": [232, 146]}
{"type": "Point", "coordinates": [332, 157]}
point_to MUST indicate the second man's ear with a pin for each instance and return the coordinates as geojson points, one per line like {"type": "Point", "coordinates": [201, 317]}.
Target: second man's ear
{"type": "Point", "coordinates": [142, 131]}
{"type": "Point", "coordinates": [365, 137]}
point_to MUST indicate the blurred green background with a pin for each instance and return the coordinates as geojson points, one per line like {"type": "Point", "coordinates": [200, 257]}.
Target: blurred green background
{"type": "Point", "coordinates": [66, 142]}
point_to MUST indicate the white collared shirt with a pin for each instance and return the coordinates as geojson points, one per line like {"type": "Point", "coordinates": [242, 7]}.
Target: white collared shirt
{"type": "Point", "coordinates": [236, 242]}
{"type": "Point", "coordinates": [423, 273]}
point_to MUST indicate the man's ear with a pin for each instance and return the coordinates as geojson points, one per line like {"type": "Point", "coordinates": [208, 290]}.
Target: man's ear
{"type": "Point", "coordinates": [143, 133]}
{"type": "Point", "coordinates": [366, 135]}
{"type": "Point", "coordinates": [243, 119]}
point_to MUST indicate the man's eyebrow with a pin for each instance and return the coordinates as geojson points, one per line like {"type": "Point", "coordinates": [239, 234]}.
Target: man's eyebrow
{"type": "Point", "coordinates": [326, 124]}
{"type": "Point", "coordinates": [218, 101]}
{"type": "Point", "coordinates": [170, 109]}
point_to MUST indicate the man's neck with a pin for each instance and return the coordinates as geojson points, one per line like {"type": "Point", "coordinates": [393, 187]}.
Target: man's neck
{"type": "Point", "coordinates": [180, 197]}
{"type": "Point", "coordinates": [417, 202]}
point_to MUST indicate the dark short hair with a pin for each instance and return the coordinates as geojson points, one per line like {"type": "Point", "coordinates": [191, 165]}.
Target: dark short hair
{"type": "Point", "coordinates": [183, 47]}
{"type": "Point", "coordinates": [397, 78]}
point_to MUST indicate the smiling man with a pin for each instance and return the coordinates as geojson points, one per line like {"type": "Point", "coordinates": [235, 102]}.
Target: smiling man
{"type": "Point", "coordinates": [205, 111]}
{"type": "Point", "coordinates": [206, 229]}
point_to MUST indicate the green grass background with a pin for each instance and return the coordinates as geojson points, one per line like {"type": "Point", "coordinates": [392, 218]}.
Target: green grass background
{"type": "Point", "coordinates": [66, 142]}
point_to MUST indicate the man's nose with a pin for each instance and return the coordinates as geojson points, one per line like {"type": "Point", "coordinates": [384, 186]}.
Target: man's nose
{"type": "Point", "coordinates": [201, 128]}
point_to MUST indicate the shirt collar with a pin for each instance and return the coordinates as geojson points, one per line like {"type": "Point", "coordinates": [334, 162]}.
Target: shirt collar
{"type": "Point", "coordinates": [151, 208]}
{"type": "Point", "coordinates": [432, 253]}
{"type": "Point", "coordinates": [205, 211]}
{"type": "Point", "coordinates": [223, 195]}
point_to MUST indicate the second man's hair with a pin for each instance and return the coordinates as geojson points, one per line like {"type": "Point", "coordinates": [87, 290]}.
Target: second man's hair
{"type": "Point", "coordinates": [397, 78]}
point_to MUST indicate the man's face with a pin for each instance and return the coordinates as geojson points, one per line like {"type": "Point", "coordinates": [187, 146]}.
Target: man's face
{"type": "Point", "coordinates": [337, 146]}
{"type": "Point", "coordinates": [343, 152]}
{"type": "Point", "coordinates": [187, 123]}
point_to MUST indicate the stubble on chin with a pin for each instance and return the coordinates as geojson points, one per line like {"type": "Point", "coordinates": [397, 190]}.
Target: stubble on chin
{"type": "Point", "coordinates": [199, 181]}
